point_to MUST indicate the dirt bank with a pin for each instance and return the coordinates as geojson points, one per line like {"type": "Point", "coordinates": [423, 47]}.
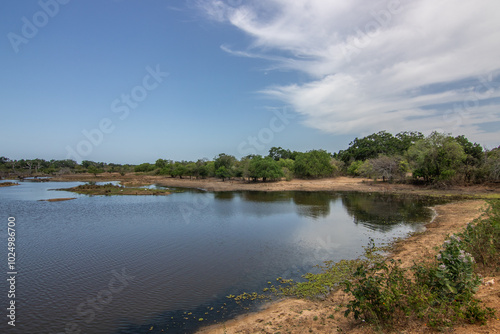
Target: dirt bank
{"type": "Point", "coordinates": [303, 316]}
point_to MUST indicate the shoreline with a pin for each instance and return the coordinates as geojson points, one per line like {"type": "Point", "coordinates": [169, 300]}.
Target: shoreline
{"type": "Point", "coordinates": [292, 315]}
{"type": "Point", "coordinates": [342, 183]}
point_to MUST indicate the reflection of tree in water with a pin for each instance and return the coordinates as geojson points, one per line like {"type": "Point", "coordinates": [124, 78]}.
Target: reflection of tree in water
{"type": "Point", "coordinates": [263, 196]}
{"type": "Point", "coordinates": [224, 195]}
{"type": "Point", "coordinates": [313, 204]}
{"type": "Point", "coordinates": [382, 212]}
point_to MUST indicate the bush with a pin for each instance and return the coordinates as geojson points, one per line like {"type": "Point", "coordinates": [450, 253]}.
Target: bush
{"type": "Point", "coordinates": [453, 277]}
{"type": "Point", "coordinates": [482, 239]}
{"type": "Point", "coordinates": [353, 169]}
{"type": "Point", "coordinates": [379, 293]}
{"type": "Point", "coordinates": [441, 292]}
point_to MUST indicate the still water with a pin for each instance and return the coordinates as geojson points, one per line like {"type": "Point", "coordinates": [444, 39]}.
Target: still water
{"type": "Point", "coordinates": [143, 264]}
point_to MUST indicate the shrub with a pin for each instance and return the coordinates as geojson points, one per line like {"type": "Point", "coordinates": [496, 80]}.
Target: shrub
{"type": "Point", "coordinates": [441, 292]}
{"type": "Point", "coordinates": [482, 239]}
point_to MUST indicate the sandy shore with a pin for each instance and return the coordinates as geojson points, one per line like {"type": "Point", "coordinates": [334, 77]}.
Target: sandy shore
{"type": "Point", "coordinates": [304, 316]}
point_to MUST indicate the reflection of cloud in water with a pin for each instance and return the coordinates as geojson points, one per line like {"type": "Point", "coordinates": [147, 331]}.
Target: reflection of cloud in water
{"type": "Point", "coordinates": [324, 237]}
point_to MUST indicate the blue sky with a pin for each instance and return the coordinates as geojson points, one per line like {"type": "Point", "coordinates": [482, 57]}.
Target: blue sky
{"type": "Point", "coordinates": [132, 81]}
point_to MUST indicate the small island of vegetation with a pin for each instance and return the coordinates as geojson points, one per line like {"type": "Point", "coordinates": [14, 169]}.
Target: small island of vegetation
{"type": "Point", "coordinates": [111, 189]}
{"type": "Point", "coordinates": [8, 184]}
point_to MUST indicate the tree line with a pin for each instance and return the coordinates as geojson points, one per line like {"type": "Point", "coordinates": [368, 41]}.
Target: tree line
{"type": "Point", "coordinates": [406, 156]}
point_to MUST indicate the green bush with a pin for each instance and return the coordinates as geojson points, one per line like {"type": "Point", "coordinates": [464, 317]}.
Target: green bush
{"type": "Point", "coordinates": [482, 239]}
{"type": "Point", "coordinates": [453, 275]}
{"type": "Point", "coordinates": [441, 292]}
{"type": "Point", "coordinates": [379, 293]}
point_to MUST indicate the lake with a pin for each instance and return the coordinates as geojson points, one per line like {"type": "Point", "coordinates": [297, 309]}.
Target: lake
{"type": "Point", "coordinates": [143, 264]}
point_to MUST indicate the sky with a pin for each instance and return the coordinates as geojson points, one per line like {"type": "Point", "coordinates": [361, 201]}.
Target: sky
{"type": "Point", "coordinates": [129, 81]}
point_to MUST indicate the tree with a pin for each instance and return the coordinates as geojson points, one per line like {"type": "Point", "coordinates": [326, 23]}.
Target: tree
{"type": "Point", "coordinates": [278, 153]}
{"type": "Point", "coordinates": [388, 168]}
{"type": "Point", "coordinates": [313, 164]}
{"type": "Point", "coordinates": [179, 169]}
{"type": "Point", "coordinates": [471, 168]}
{"type": "Point", "coordinates": [224, 160]}
{"type": "Point", "coordinates": [94, 170]}
{"type": "Point", "coordinates": [492, 165]}
{"type": "Point", "coordinates": [382, 142]}
{"type": "Point", "coordinates": [265, 168]}
{"type": "Point", "coordinates": [223, 173]}
{"type": "Point", "coordinates": [144, 167]}
{"type": "Point", "coordinates": [370, 147]}
{"type": "Point", "coordinates": [406, 139]}
{"type": "Point", "coordinates": [161, 163]}
{"type": "Point", "coordinates": [437, 157]}
{"type": "Point", "coordinates": [287, 167]}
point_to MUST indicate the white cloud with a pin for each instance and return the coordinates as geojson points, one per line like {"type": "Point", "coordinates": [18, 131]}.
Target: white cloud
{"type": "Point", "coordinates": [372, 64]}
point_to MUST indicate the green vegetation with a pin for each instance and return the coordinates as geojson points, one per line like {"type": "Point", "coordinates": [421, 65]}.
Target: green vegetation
{"type": "Point", "coordinates": [440, 292]}
{"type": "Point", "coordinates": [405, 157]}
{"type": "Point", "coordinates": [111, 189]}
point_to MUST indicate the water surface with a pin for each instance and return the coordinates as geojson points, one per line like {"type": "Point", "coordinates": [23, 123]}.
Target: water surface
{"type": "Point", "coordinates": [140, 264]}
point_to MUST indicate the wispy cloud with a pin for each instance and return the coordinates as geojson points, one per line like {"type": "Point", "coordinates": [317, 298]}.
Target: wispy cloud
{"type": "Point", "coordinates": [374, 64]}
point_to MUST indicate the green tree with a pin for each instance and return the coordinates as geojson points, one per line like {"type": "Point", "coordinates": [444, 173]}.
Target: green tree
{"type": "Point", "coordinates": [313, 164]}
{"type": "Point", "coordinates": [224, 160]}
{"type": "Point", "coordinates": [287, 167]}
{"type": "Point", "coordinates": [264, 168]}
{"type": "Point", "coordinates": [144, 167]}
{"type": "Point", "coordinates": [475, 158]}
{"type": "Point", "coordinates": [437, 157]}
{"type": "Point", "coordinates": [380, 143]}
{"type": "Point", "coordinates": [161, 163]}
{"type": "Point", "coordinates": [492, 165]}
{"type": "Point", "coordinates": [278, 153]}
{"type": "Point", "coordinates": [405, 140]}
{"type": "Point", "coordinates": [223, 173]}
{"type": "Point", "coordinates": [358, 168]}
{"type": "Point", "coordinates": [179, 169]}
{"type": "Point", "coordinates": [92, 169]}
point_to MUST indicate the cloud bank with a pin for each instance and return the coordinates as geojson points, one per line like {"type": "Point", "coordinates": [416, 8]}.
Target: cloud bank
{"type": "Point", "coordinates": [379, 65]}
